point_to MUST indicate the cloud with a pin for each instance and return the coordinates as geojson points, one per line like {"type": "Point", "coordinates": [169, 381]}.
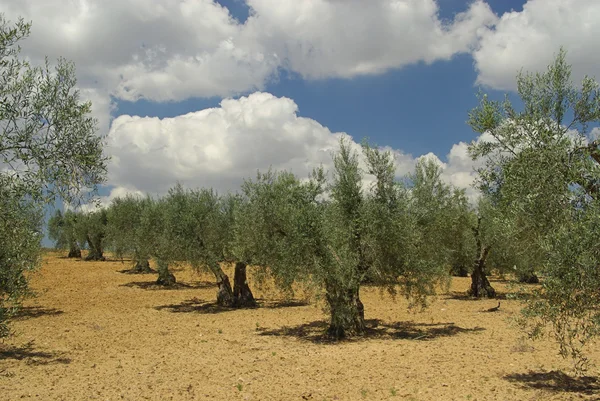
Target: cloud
{"type": "Point", "coordinates": [220, 147]}
{"type": "Point", "coordinates": [529, 39]}
{"type": "Point", "coordinates": [348, 38]}
{"type": "Point", "coordinates": [170, 50]}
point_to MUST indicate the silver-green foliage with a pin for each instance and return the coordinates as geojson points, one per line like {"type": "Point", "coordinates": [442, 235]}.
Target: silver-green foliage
{"type": "Point", "coordinates": [332, 236]}
{"type": "Point", "coordinates": [542, 170]}
{"type": "Point", "coordinates": [62, 230]}
{"type": "Point", "coordinates": [48, 148]}
{"type": "Point", "coordinates": [125, 234]}
{"type": "Point", "coordinates": [20, 236]}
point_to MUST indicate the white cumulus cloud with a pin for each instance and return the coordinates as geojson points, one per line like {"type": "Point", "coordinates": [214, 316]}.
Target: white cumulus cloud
{"type": "Point", "coordinates": [220, 147]}
{"type": "Point", "coordinates": [529, 39]}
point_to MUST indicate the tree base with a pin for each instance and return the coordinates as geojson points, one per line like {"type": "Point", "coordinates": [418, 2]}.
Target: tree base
{"type": "Point", "coordinates": [74, 253]}
{"type": "Point", "coordinates": [481, 287]}
{"type": "Point", "coordinates": [94, 257]}
{"type": "Point", "coordinates": [242, 295]}
{"type": "Point", "coordinates": [225, 293]}
{"type": "Point", "coordinates": [142, 268]}
{"type": "Point", "coordinates": [530, 278]}
{"type": "Point", "coordinates": [166, 280]}
{"type": "Point", "coordinates": [347, 316]}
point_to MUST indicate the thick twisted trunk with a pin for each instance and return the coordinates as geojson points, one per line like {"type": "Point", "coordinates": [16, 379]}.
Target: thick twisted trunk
{"type": "Point", "coordinates": [165, 277]}
{"type": "Point", "coordinates": [225, 292]}
{"type": "Point", "coordinates": [347, 312]}
{"type": "Point", "coordinates": [242, 294]}
{"type": "Point", "coordinates": [480, 285]}
{"type": "Point", "coordinates": [74, 251]}
{"type": "Point", "coordinates": [95, 252]}
{"type": "Point", "coordinates": [142, 267]}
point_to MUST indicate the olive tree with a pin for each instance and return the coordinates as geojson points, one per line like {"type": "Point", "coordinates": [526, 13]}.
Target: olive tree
{"type": "Point", "coordinates": [542, 167]}
{"type": "Point", "coordinates": [201, 222]}
{"type": "Point", "coordinates": [330, 236]}
{"type": "Point", "coordinates": [62, 230]}
{"type": "Point", "coordinates": [125, 234]}
{"type": "Point", "coordinates": [156, 233]}
{"type": "Point", "coordinates": [48, 149]}
{"type": "Point", "coordinates": [91, 232]}
{"type": "Point", "coordinates": [20, 236]}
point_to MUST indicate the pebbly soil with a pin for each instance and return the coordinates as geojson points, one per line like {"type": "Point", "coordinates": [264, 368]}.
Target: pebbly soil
{"type": "Point", "coordinates": [94, 333]}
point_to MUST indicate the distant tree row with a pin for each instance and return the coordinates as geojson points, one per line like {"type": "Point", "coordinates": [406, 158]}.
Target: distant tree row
{"type": "Point", "coordinates": [328, 235]}
{"type": "Point", "coordinates": [538, 212]}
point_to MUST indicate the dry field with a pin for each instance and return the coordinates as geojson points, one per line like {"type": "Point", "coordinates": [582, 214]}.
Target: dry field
{"type": "Point", "coordinates": [96, 333]}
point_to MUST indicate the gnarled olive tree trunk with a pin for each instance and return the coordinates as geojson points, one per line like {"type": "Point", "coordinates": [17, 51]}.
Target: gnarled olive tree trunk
{"type": "Point", "coordinates": [225, 292]}
{"type": "Point", "coordinates": [142, 266]}
{"type": "Point", "coordinates": [95, 251]}
{"type": "Point", "coordinates": [74, 251]}
{"type": "Point", "coordinates": [480, 285]}
{"type": "Point", "coordinates": [242, 294]}
{"type": "Point", "coordinates": [165, 277]}
{"type": "Point", "coordinates": [347, 312]}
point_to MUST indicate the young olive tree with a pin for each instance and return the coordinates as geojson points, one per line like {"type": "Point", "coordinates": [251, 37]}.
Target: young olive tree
{"type": "Point", "coordinates": [91, 230]}
{"type": "Point", "coordinates": [20, 236]}
{"type": "Point", "coordinates": [157, 225]}
{"type": "Point", "coordinates": [543, 168]}
{"type": "Point", "coordinates": [48, 149]}
{"type": "Point", "coordinates": [200, 234]}
{"type": "Point", "coordinates": [62, 230]}
{"type": "Point", "coordinates": [443, 216]}
{"type": "Point", "coordinates": [333, 236]}
{"type": "Point", "coordinates": [125, 233]}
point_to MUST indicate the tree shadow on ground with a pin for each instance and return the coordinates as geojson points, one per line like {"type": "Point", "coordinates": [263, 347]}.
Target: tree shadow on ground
{"type": "Point", "coordinates": [152, 285]}
{"type": "Point", "coordinates": [30, 312]}
{"type": "Point", "coordinates": [510, 296]}
{"type": "Point", "coordinates": [135, 271]}
{"type": "Point", "coordinates": [196, 305]}
{"type": "Point", "coordinates": [556, 381]}
{"type": "Point", "coordinates": [31, 356]}
{"type": "Point", "coordinates": [376, 329]}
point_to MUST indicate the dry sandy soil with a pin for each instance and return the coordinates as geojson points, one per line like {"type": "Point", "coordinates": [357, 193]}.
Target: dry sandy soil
{"type": "Point", "coordinates": [96, 333]}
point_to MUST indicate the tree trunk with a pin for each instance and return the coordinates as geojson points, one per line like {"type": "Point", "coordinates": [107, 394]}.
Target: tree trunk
{"type": "Point", "coordinates": [74, 251]}
{"type": "Point", "coordinates": [95, 252]}
{"type": "Point", "coordinates": [528, 277]}
{"type": "Point", "coordinates": [165, 277]}
{"type": "Point", "coordinates": [480, 285]}
{"type": "Point", "coordinates": [347, 312]}
{"type": "Point", "coordinates": [224, 293]}
{"type": "Point", "coordinates": [242, 294]}
{"type": "Point", "coordinates": [142, 267]}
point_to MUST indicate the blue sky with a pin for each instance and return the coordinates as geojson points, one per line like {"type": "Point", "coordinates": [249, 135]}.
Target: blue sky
{"type": "Point", "coordinates": [419, 108]}
{"type": "Point", "coordinates": [206, 93]}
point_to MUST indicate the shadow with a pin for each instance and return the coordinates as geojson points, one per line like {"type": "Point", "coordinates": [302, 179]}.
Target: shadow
{"type": "Point", "coordinates": [151, 285]}
{"type": "Point", "coordinates": [276, 304]}
{"type": "Point", "coordinates": [556, 381]}
{"type": "Point", "coordinates": [134, 271]}
{"type": "Point", "coordinates": [376, 329]}
{"type": "Point", "coordinates": [28, 354]}
{"type": "Point", "coordinates": [29, 312]}
{"type": "Point", "coordinates": [510, 296]}
{"type": "Point", "coordinates": [196, 305]}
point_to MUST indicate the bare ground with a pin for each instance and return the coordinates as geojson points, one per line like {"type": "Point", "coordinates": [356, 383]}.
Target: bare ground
{"type": "Point", "coordinates": [97, 333]}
